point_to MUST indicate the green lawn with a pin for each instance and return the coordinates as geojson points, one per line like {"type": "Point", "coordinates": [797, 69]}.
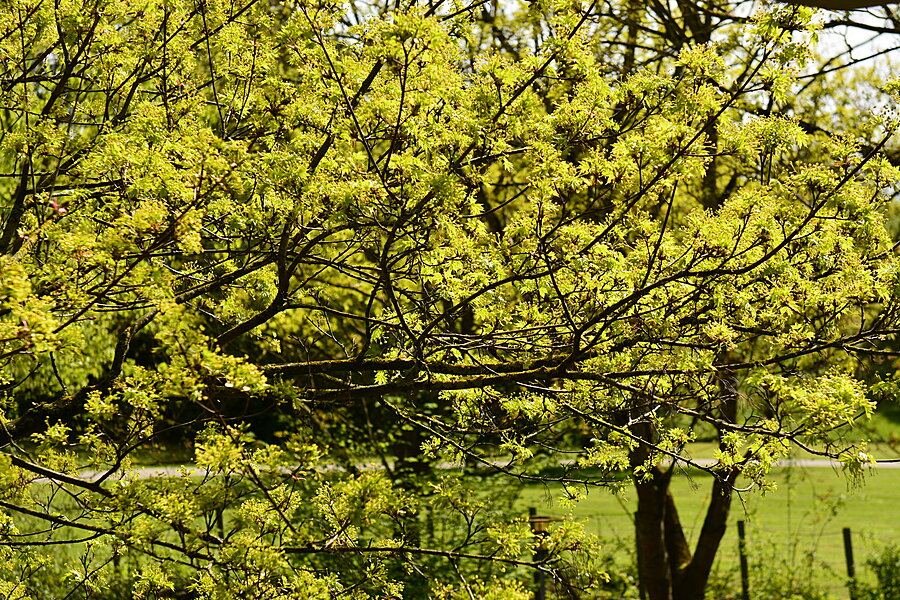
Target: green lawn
{"type": "Point", "coordinates": [804, 517]}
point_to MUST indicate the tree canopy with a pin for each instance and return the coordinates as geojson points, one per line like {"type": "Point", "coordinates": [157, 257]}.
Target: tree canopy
{"type": "Point", "coordinates": [462, 241]}
{"type": "Point", "coordinates": [841, 4]}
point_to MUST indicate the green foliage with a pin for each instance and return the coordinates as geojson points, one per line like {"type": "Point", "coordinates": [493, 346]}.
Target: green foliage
{"type": "Point", "coordinates": [301, 237]}
{"type": "Point", "coordinates": [886, 566]}
{"type": "Point", "coordinates": [772, 577]}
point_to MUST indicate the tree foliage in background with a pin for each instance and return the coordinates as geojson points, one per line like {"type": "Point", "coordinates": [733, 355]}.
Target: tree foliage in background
{"type": "Point", "coordinates": [297, 237]}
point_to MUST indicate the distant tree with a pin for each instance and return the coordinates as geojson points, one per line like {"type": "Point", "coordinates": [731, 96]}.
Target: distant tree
{"type": "Point", "coordinates": [300, 235]}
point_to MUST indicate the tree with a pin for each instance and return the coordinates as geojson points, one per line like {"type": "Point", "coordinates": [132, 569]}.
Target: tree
{"type": "Point", "coordinates": [841, 5]}
{"type": "Point", "coordinates": [301, 234]}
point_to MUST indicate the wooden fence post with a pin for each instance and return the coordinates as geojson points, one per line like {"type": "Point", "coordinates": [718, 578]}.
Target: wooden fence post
{"type": "Point", "coordinates": [851, 570]}
{"type": "Point", "coordinates": [539, 528]}
{"type": "Point", "coordinates": [742, 552]}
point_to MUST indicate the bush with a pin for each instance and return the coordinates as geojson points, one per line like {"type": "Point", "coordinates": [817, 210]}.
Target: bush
{"type": "Point", "coordinates": [886, 567]}
{"type": "Point", "coordinates": [773, 578]}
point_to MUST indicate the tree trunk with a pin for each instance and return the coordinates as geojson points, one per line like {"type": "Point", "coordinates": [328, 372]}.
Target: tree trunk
{"type": "Point", "coordinates": [655, 576]}
{"type": "Point", "coordinates": [667, 568]}
{"type": "Point", "coordinates": [690, 583]}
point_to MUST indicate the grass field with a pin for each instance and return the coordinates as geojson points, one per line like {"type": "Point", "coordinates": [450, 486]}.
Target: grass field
{"type": "Point", "coordinates": [800, 522]}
